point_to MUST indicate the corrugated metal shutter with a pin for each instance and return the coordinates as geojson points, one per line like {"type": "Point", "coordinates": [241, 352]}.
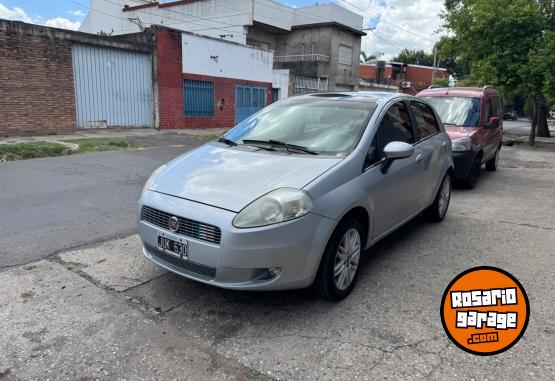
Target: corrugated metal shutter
{"type": "Point", "coordinates": [113, 87]}
{"type": "Point", "coordinates": [248, 100]}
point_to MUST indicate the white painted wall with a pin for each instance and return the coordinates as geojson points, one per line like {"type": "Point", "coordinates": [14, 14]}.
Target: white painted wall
{"type": "Point", "coordinates": [228, 60]}
{"type": "Point", "coordinates": [207, 17]}
{"type": "Point", "coordinates": [212, 17]}
{"type": "Point", "coordinates": [327, 12]}
{"type": "Point", "coordinates": [281, 81]}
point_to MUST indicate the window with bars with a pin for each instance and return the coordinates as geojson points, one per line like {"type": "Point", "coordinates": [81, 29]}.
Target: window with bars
{"type": "Point", "coordinates": [199, 98]}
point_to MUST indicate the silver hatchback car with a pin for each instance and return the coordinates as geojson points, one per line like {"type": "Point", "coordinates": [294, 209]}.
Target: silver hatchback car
{"type": "Point", "coordinates": [293, 195]}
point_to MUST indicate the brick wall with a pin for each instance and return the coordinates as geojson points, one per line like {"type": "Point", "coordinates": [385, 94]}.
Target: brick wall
{"type": "Point", "coordinates": [36, 83]}
{"type": "Point", "coordinates": [170, 88]}
{"type": "Point", "coordinates": [419, 76]}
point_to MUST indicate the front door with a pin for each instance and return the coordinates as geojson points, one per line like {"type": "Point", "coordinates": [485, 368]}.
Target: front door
{"type": "Point", "coordinates": [393, 196]}
{"type": "Point", "coordinates": [492, 136]}
{"type": "Point", "coordinates": [248, 100]}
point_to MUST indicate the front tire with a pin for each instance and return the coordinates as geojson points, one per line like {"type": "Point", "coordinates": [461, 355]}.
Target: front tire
{"type": "Point", "coordinates": [437, 211]}
{"type": "Point", "coordinates": [491, 164]}
{"type": "Point", "coordinates": [339, 267]}
{"type": "Point", "coordinates": [472, 178]}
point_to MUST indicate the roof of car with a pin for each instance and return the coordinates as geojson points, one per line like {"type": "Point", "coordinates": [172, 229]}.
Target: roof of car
{"type": "Point", "coordinates": [458, 91]}
{"type": "Point", "coordinates": [360, 95]}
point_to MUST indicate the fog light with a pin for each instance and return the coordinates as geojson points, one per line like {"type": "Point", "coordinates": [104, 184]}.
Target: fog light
{"type": "Point", "coordinates": [274, 271]}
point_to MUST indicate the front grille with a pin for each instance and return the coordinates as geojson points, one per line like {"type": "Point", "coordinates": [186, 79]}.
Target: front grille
{"type": "Point", "coordinates": [188, 228]}
{"type": "Point", "coordinates": [189, 266]}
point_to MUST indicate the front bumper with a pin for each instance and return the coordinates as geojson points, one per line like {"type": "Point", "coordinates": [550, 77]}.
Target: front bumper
{"type": "Point", "coordinates": [463, 162]}
{"type": "Point", "coordinates": [242, 257]}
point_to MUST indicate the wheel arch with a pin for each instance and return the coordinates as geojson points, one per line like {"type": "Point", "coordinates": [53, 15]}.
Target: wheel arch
{"type": "Point", "coordinates": [360, 214]}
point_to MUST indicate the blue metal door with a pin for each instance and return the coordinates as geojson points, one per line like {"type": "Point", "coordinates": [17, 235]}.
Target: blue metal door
{"type": "Point", "coordinates": [248, 100]}
{"type": "Point", "coordinates": [113, 87]}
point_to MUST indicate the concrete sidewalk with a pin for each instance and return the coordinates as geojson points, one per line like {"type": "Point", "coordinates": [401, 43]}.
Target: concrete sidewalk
{"type": "Point", "coordinates": [58, 322]}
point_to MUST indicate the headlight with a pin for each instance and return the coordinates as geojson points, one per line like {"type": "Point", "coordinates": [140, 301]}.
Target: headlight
{"type": "Point", "coordinates": [277, 206]}
{"type": "Point", "coordinates": [461, 144]}
{"type": "Point", "coordinates": [151, 179]}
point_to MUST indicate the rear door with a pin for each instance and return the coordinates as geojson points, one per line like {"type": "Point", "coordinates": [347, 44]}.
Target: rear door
{"type": "Point", "coordinates": [430, 149]}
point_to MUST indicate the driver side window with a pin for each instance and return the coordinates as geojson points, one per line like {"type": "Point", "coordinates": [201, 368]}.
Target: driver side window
{"type": "Point", "coordinates": [394, 127]}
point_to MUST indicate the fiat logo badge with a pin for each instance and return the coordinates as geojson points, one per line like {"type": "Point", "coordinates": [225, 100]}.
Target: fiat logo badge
{"type": "Point", "coordinates": [174, 224]}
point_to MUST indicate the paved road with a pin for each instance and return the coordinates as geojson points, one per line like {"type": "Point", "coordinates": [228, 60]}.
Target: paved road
{"type": "Point", "coordinates": [82, 302]}
{"type": "Point", "coordinates": [519, 126]}
{"type": "Point", "coordinates": [52, 204]}
{"type": "Point", "coordinates": [105, 312]}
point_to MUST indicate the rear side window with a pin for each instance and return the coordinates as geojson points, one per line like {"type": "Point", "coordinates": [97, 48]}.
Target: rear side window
{"type": "Point", "coordinates": [425, 119]}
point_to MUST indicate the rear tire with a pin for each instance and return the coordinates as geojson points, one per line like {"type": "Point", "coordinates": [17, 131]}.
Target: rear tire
{"type": "Point", "coordinates": [437, 211]}
{"type": "Point", "coordinates": [339, 267]}
{"type": "Point", "coordinates": [472, 178]}
{"type": "Point", "coordinates": [491, 164]}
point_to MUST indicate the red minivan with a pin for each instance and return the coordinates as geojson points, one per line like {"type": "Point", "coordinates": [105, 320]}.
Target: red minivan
{"type": "Point", "coordinates": [472, 118]}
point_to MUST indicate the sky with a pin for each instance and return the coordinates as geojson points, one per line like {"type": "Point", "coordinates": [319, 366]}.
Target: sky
{"type": "Point", "coordinates": [398, 24]}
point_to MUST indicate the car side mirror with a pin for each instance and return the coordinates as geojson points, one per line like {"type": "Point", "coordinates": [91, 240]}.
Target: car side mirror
{"type": "Point", "coordinates": [493, 122]}
{"type": "Point", "coordinates": [395, 151]}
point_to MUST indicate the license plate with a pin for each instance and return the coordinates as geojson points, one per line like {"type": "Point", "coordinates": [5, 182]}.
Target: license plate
{"type": "Point", "coordinates": [175, 248]}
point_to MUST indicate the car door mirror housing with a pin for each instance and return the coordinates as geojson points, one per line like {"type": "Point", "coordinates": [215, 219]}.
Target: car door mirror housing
{"type": "Point", "coordinates": [398, 150]}
{"type": "Point", "coordinates": [395, 151]}
{"type": "Point", "coordinates": [493, 122]}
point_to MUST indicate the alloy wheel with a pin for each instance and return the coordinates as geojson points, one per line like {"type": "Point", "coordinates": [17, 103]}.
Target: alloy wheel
{"type": "Point", "coordinates": [444, 196]}
{"type": "Point", "coordinates": [346, 259]}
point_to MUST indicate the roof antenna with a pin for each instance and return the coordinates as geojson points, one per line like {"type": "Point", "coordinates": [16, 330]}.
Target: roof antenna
{"type": "Point", "coordinates": [137, 21]}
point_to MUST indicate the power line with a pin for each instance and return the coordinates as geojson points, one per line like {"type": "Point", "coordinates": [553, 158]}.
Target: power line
{"type": "Point", "coordinates": [387, 22]}
{"type": "Point", "coordinates": [386, 41]}
{"type": "Point", "coordinates": [192, 22]}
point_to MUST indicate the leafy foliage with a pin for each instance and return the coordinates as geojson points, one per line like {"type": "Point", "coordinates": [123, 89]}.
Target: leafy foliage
{"type": "Point", "coordinates": [509, 45]}
{"type": "Point", "coordinates": [443, 82]}
{"type": "Point", "coordinates": [417, 57]}
{"type": "Point", "coordinates": [365, 57]}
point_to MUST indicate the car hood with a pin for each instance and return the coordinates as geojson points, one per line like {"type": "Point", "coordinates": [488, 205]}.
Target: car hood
{"type": "Point", "coordinates": [459, 132]}
{"type": "Point", "coordinates": [231, 178]}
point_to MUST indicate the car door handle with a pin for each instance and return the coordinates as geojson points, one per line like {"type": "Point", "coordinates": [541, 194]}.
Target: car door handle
{"type": "Point", "coordinates": [419, 157]}
{"type": "Point", "coordinates": [444, 146]}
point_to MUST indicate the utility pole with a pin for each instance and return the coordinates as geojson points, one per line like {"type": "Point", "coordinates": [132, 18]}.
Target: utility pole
{"type": "Point", "coordinates": [435, 65]}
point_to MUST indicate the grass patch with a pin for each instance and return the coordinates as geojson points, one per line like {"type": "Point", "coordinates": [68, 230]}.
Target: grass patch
{"type": "Point", "coordinates": [211, 136]}
{"type": "Point", "coordinates": [19, 151]}
{"type": "Point", "coordinates": [103, 144]}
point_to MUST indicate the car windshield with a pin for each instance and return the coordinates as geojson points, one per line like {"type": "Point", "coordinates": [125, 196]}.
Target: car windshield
{"type": "Point", "coordinates": [324, 126]}
{"type": "Point", "coordinates": [458, 111]}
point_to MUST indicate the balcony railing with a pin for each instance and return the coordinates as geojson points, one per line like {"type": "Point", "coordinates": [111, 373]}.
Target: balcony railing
{"type": "Point", "coordinates": [302, 58]}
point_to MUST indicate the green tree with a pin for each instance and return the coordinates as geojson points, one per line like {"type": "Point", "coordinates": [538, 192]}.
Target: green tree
{"type": "Point", "coordinates": [365, 57]}
{"type": "Point", "coordinates": [442, 82]}
{"type": "Point", "coordinates": [417, 57]}
{"type": "Point", "coordinates": [449, 57]}
{"type": "Point", "coordinates": [505, 41]}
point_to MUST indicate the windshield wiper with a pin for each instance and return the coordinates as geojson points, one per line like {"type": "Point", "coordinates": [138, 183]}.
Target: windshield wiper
{"type": "Point", "coordinates": [227, 141]}
{"type": "Point", "coordinates": [287, 146]}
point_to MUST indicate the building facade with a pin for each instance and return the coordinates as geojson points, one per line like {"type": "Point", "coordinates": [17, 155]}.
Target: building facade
{"type": "Point", "coordinates": [207, 82]}
{"type": "Point", "coordinates": [406, 77]}
{"type": "Point", "coordinates": [318, 45]}
{"type": "Point", "coordinates": [54, 81]}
